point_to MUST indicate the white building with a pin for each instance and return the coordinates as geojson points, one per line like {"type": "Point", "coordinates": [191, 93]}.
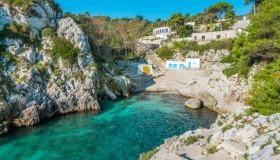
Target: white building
{"type": "Point", "coordinates": [162, 32]}
{"type": "Point", "coordinates": [205, 37]}
{"type": "Point", "coordinates": [190, 24]}
{"type": "Point", "coordinates": [190, 63]}
{"type": "Point", "coordinates": [175, 65]}
{"type": "Point", "coordinates": [193, 63]}
{"type": "Point", "coordinates": [209, 36]}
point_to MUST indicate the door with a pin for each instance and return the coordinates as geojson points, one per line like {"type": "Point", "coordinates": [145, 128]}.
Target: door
{"type": "Point", "coordinates": [189, 65]}
{"type": "Point", "coordinates": [182, 66]}
{"type": "Point", "coordinates": [146, 70]}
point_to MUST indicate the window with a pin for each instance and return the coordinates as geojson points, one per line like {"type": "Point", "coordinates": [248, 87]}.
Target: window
{"type": "Point", "coordinates": [218, 37]}
{"type": "Point", "coordinates": [195, 37]}
{"type": "Point", "coordinates": [203, 38]}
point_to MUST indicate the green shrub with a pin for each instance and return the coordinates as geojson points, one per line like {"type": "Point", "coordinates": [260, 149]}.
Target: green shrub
{"type": "Point", "coordinates": [231, 71]}
{"type": "Point", "coordinates": [14, 30]}
{"type": "Point", "coordinates": [186, 47]}
{"type": "Point", "coordinates": [48, 32]}
{"type": "Point", "coordinates": [164, 53]}
{"type": "Point", "coordinates": [212, 149]}
{"type": "Point", "coordinates": [185, 31]}
{"type": "Point", "coordinates": [55, 6]}
{"type": "Point", "coordinates": [240, 68]}
{"type": "Point", "coordinates": [265, 93]}
{"type": "Point", "coordinates": [191, 140]}
{"type": "Point", "coordinates": [227, 127]}
{"type": "Point", "coordinates": [24, 4]}
{"type": "Point", "coordinates": [148, 155]}
{"type": "Point", "coordinates": [209, 138]}
{"type": "Point", "coordinates": [65, 50]}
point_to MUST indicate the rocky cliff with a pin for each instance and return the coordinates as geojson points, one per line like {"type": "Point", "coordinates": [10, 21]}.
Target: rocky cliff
{"type": "Point", "coordinates": [231, 137]}
{"type": "Point", "coordinates": [46, 66]}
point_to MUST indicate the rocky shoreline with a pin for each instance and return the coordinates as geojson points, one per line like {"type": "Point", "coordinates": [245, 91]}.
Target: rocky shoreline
{"type": "Point", "coordinates": [237, 137]}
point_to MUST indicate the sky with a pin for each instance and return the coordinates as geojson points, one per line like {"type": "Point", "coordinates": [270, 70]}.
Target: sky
{"type": "Point", "coordinates": [150, 9]}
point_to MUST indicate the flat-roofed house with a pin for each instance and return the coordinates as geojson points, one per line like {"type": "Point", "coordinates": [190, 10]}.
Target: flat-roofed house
{"type": "Point", "coordinates": [210, 36]}
{"type": "Point", "coordinates": [162, 32]}
{"type": "Point", "coordinates": [175, 65]}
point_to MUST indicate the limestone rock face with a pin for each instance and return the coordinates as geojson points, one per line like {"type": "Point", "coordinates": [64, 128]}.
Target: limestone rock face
{"type": "Point", "coordinates": [193, 103]}
{"type": "Point", "coordinates": [233, 137]}
{"type": "Point", "coordinates": [109, 93]}
{"type": "Point", "coordinates": [207, 100]}
{"type": "Point", "coordinates": [38, 85]}
{"type": "Point", "coordinates": [14, 45]}
{"type": "Point", "coordinates": [5, 110]}
{"type": "Point", "coordinates": [71, 31]}
{"type": "Point", "coordinates": [44, 16]}
{"type": "Point", "coordinates": [4, 17]}
{"type": "Point", "coordinates": [4, 128]}
{"type": "Point", "coordinates": [29, 117]}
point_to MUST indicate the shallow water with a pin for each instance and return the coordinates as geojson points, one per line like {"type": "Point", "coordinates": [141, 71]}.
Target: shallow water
{"type": "Point", "coordinates": [122, 131]}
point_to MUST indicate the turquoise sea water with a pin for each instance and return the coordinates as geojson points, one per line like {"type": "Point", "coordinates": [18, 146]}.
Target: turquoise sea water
{"type": "Point", "coordinates": [122, 131]}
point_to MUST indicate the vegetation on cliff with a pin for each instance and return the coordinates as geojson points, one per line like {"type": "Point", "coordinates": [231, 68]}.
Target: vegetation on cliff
{"type": "Point", "coordinates": [265, 95]}
{"type": "Point", "coordinates": [260, 45]}
{"type": "Point", "coordinates": [25, 5]}
{"type": "Point", "coordinates": [21, 31]}
{"type": "Point", "coordinates": [165, 53]}
{"type": "Point", "coordinates": [113, 38]}
{"type": "Point", "coordinates": [185, 47]}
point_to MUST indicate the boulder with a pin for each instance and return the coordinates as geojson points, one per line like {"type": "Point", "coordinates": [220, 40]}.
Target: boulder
{"type": "Point", "coordinates": [121, 83]}
{"type": "Point", "coordinates": [5, 17]}
{"type": "Point", "coordinates": [247, 133]}
{"type": "Point", "coordinates": [265, 153]}
{"type": "Point", "coordinates": [257, 143]}
{"type": "Point", "coordinates": [260, 121]}
{"type": "Point", "coordinates": [207, 100]}
{"type": "Point", "coordinates": [29, 117]}
{"type": "Point", "coordinates": [230, 134]}
{"type": "Point", "coordinates": [193, 103]}
{"type": "Point", "coordinates": [30, 55]}
{"type": "Point", "coordinates": [109, 93]}
{"type": "Point", "coordinates": [47, 110]}
{"type": "Point", "coordinates": [275, 119]}
{"type": "Point", "coordinates": [87, 103]}
{"type": "Point", "coordinates": [14, 46]}
{"type": "Point", "coordinates": [5, 110]}
{"type": "Point", "coordinates": [235, 149]}
{"type": "Point", "coordinates": [4, 128]}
